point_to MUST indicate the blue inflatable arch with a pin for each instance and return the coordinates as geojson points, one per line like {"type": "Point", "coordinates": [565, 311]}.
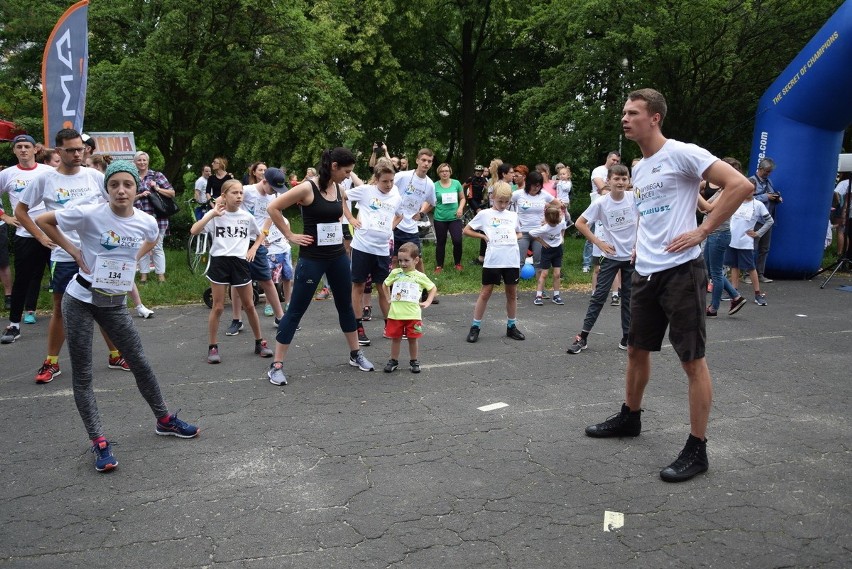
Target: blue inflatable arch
{"type": "Point", "coordinates": [800, 124]}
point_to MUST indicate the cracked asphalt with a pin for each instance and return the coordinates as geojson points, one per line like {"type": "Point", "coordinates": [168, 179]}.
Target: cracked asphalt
{"type": "Point", "coordinates": [343, 468]}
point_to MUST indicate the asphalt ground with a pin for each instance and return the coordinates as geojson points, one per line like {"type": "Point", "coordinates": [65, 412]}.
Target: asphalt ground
{"type": "Point", "coordinates": [343, 468]}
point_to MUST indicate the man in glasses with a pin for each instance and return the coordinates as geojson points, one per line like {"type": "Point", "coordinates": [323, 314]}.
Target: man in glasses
{"type": "Point", "coordinates": [69, 185]}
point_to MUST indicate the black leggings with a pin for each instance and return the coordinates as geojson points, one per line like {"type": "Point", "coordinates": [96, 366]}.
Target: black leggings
{"type": "Point", "coordinates": [455, 229]}
{"type": "Point", "coordinates": [31, 258]}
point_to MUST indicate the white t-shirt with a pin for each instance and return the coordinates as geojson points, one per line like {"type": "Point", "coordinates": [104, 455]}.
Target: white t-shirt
{"type": "Point", "coordinates": [744, 218]}
{"type": "Point", "coordinates": [502, 230]}
{"type": "Point", "coordinates": [840, 190]}
{"type": "Point", "coordinates": [563, 191]}
{"type": "Point", "coordinates": [601, 172]}
{"type": "Point", "coordinates": [665, 187]}
{"type": "Point", "coordinates": [255, 202]}
{"type": "Point", "coordinates": [550, 234]}
{"type": "Point", "coordinates": [617, 223]}
{"type": "Point", "coordinates": [530, 208]}
{"type": "Point", "coordinates": [376, 211]}
{"type": "Point", "coordinates": [14, 180]}
{"type": "Point", "coordinates": [413, 191]}
{"type": "Point", "coordinates": [276, 242]}
{"type": "Point", "coordinates": [104, 236]}
{"type": "Point", "coordinates": [60, 191]}
{"type": "Point", "coordinates": [201, 187]}
{"type": "Point", "coordinates": [231, 233]}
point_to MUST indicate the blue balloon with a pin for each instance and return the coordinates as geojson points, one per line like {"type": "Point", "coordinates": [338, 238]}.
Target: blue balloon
{"type": "Point", "coordinates": [528, 272]}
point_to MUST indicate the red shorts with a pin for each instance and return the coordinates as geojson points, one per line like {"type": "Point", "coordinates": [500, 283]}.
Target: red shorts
{"type": "Point", "coordinates": [411, 328]}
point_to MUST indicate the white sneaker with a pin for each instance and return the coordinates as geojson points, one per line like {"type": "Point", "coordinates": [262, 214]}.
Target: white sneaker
{"type": "Point", "coordinates": [144, 312]}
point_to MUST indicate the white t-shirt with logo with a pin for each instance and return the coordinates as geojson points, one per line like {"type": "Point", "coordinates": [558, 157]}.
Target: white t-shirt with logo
{"type": "Point", "coordinates": [665, 187]}
{"type": "Point", "coordinates": [616, 224]}
{"type": "Point", "coordinates": [743, 220]}
{"type": "Point", "coordinates": [14, 180]}
{"type": "Point", "coordinates": [105, 238]}
{"type": "Point", "coordinates": [530, 208]}
{"type": "Point", "coordinates": [376, 211]}
{"type": "Point", "coordinates": [255, 202]}
{"type": "Point", "coordinates": [502, 230]}
{"type": "Point", "coordinates": [231, 233]}
{"type": "Point", "coordinates": [414, 191]}
{"type": "Point", "coordinates": [61, 191]}
{"type": "Point", "coordinates": [550, 234]}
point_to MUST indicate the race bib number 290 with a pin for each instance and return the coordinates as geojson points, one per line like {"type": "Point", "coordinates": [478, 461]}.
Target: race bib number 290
{"type": "Point", "coordinates": [329, 234]}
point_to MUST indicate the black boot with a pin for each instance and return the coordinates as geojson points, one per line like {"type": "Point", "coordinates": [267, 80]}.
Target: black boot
{"type": "Point", "coordinates": [692, 460]}
{"type": "Point", "coordinates": [626, 423]}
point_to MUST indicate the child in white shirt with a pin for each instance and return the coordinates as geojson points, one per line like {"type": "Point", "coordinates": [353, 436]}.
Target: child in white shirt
{"type": "Point", "coordinates": [551, 236]}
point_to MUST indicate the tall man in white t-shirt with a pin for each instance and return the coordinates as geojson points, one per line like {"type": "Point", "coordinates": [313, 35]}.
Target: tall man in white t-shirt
{"type": "Point", "coordinates": [70, 184]}
{"type": "Point", "coordinates": [416, 189]}
{"type": "Point", "coordinates": [30, 256]}
{"type": "Point", "coordinates": [669, 283]}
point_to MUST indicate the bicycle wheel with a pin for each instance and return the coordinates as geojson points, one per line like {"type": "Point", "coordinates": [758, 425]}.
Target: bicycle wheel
{"type": "Point", "coordinates": [198, 253]}
{"type": "Point", "coordinates": [467, 216]}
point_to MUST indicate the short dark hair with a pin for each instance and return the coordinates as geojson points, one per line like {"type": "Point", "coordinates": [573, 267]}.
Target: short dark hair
{"type": "Point", "coordinates": [655, 100]}
{"type": "Point", "coordinates": [617, 170]}
{"type": "Point", "coordinates": [66, 134]}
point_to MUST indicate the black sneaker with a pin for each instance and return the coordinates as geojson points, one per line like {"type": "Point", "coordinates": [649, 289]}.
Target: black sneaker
{"type": "Point", "coordinates": [626, 423]}
{"type": "Point", "coordinates": [363, 340]}
{"type": "Point", "coordinates": [367, 314]}
{"type": "Point", "coordinates": [515, 334]}
{"type": "Point", "coordinates": [414, 365]}
{"type": "Point", "coordinates": [736, 305]}
{"type": "Point", "coordinates": [622, 345]}
{"type": "Point", "coordinates": [11, 334]}
{"type": "Point", "coordinates": [473, 335]}
{"type": "Point", "coordinates": [391, 366]}
{"type": "Point", "coordinates": [234, 328]}
{"type": "Point", "coordinates": [578, 346]}
{"type": "Point", "coordinates": [692, 460]}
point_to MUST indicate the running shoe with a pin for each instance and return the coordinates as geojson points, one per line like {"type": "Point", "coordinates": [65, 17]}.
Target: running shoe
{"type": "Point", "coordinates": [557, 300]}
{"type": "Point", "coordinates": [391, 366]}
{"type": "Point", "coordinates": [267, 310]}
{"type": "Point", "coordinates": [622, 345]}
{"type": "Point", "coordinates": [144, 312]}
{"type": "Point", "coordinates": [262, 350]}
{"type": "Point", "coordinates": [538, 301]}
{"type": "Point", "coordinates": [363, 340]}
{"type": "Point", "coordinates": [459, 268]}
{"type": "Point", "coordinates": [414, 366]}
{"type": "Point", "coordinates": [473, 335]}
{"type": "Point", "coordinates": [367, 314]}
{"type": "Point", "coordinates": [323, 294]}
{"type": "Point", "coordinates": [30, 317]}
{"type": "Point", "coordinates": [760, 300]}
{"type": "Point", "coordinates": [47, 372]}
{"type": "Point", "coordinates": [118, 362]}
{"type": "Point", "coordinates": [515, 334]}
{"type": "Point", "coordinates": [104, 460]}
{"type": "Point", "coordinates": [578, 346]}
{"type": "Point", "coordinates": [276, 374]}
{"type": "Point", "coordinates": [616, 300]}
{"type": "Point", "coordinates": [176, 428]}
{"type": "Point", "coordinates": [213, 356]}
{"type": "Point", "coordinates": [235, 327]}
{"type": "Point", "coordinates": [11, 334]}
{"type": "Point", "coordinates": [736, 305]}
{"type": "Point", "coordinates": [361, 362]}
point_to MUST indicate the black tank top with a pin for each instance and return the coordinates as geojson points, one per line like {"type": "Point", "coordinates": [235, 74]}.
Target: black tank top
{"type": "Point", "coordinates": [321, 211]}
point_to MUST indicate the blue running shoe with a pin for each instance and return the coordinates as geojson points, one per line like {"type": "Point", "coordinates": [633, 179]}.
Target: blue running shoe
{"type": "Point", "coordinates": [104, 460]}
{"type": "Point", "coordinates": [177, 428]}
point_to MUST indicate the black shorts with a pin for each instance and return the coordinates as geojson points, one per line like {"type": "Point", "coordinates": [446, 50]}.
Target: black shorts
{"type": "Point", "coordinates": [259, 267]}
{"type": "Point", "coordinates": [61, 273]}
{"type": "Point", "coordinates": [400, 237]}
{"type": "Point", "coordinates": [551, 257]}
{"type": "Point", "coordinates": [498, 275]}
{"type": "Point", "coordinates": [742, 259]}
{"type": "Point", "coordinates": [232, 271]}
{"type": "Point", "coordinates": [369, 266]}
{"type": "Point", "coordinates": [673, 298]}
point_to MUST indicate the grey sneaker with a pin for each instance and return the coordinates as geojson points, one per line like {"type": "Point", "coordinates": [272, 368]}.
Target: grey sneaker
{"type": "Point", "coordinates": [276, 374]}
{"type": "Point", "coordinates": [361, 362]}
{"type": "Point", "coordinates": [263, 350]}
{"type": "Point", "coordinates": [391, 366]}
{"type": "Point", "coordinates": [11, 334]}
{"type": "Point", "coordinates": [414, 365]}
{"type": "Point", "coordinates": [235, 328]}
{"type": "Point", "coordinates": [558, 300]}
{"type": "Point", "coordinates": [760, 300]}
{"type": "Point", "coordinates": [213, 356]}
{"type": "Point", "coordinates": [538, 301]}
{"type": "Point", "coordinates": [578, 346]}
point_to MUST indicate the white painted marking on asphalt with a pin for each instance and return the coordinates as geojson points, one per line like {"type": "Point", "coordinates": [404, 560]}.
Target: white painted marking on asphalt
{"type": "Point", "coordinates": [802, 315]}
{"type": "Point", "coordinates": [493, 406]}
{"type": "Point", "coordinates": [467, 363]}
{"type": "Point", "coordinates": [613, 520]}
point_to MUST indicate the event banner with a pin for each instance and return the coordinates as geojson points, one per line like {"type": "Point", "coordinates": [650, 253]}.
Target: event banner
{"type": "Point", "coordinates": [64, 72]}
{"type": "Point", "coordinates": [119, 145]}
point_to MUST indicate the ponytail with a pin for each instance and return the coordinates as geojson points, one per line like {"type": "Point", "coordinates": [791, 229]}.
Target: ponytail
{"type": "Point", "coordinates": [340, 156]}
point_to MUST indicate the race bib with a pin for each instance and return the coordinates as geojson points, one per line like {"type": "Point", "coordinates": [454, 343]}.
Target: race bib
{"type": "Point", "coordinates": [449, 198]}
{"type": "Point", "coordinates": [504, 236]}
{"type": "Point", "coordinates": [329, 233]}
{"type": "Point", "coordinates": [405, 291]}
{"type": "Point", "coordinates": [113, 274]}
{"type": "Point", "coordinates": [380, 220]}
{"type": "Point", "coordinates": [621, 219]}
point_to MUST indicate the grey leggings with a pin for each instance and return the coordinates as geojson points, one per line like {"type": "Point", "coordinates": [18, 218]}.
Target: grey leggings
{"type": "Point", "coordinates": [78, 319]}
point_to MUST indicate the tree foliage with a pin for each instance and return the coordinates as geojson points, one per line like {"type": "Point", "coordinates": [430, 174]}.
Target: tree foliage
{"type": "Point", "coordinates": [534, 81]}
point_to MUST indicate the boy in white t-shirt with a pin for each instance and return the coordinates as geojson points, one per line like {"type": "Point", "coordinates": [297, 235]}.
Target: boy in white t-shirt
{"type": "Point", "coordinates": [379, 212]}
{"type": "Point", "coordinates": [617, 219]}
{"type": "Point", "coordinates": [550, 235]}
{"type": "Point", "coordinates": [231, 228]}
{"type": "Point", "coordinates": [501, 231]}
{"type": "Point", "coordinates": [740, 253]}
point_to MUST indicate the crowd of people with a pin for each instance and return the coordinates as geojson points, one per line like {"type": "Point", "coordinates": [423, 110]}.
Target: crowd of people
{"type": "Point", "coordinates": [98, 227]}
